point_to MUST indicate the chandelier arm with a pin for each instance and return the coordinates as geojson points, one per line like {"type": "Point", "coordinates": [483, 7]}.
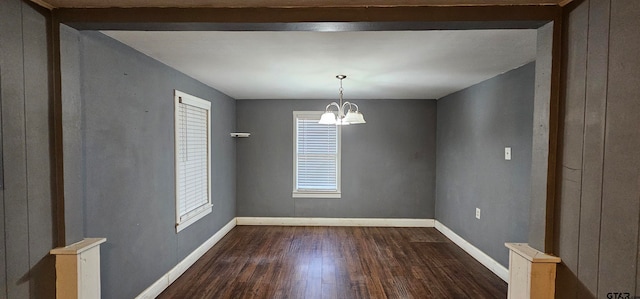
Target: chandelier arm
{"type": "Point", "coordinates": [332, 104]}
{"type": "Point", "coordinates": [344, 106]}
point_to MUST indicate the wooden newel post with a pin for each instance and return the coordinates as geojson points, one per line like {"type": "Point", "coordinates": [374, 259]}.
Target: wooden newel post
{"type": "Point", "coordinates": [78, 269]}
{"type": "Point", "coordinates": [532, 274]}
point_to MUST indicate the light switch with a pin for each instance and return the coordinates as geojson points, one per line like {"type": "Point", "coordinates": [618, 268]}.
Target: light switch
{"type": "Point", "coordinates": [507, 153]}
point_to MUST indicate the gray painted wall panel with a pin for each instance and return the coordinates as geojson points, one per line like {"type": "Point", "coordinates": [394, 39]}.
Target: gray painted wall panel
{"type": "Point", "coordinates": [540, 151]}
{"type": "Point", "coordinates": [3, 265]}
{"type": "Point", "coordinates": [264, 160]}
{"type": "Point", "coordinates": [388, 164]}
{"type": "Point", "coordinates": [595, 107]}
{"type": "Point", "coordinates": [568, 216]}
{"type": "Point", "coordinates": [27, 228]}
{"type": "Point", "coordinates": [38, 154]}
{"type": "Point", "coordinates": [72, 134]}
{"type": "Point", "coordinates": [13, 126]}
{"type": "Point", "coordinates": [128, 193]}
{"type": "Point", "coordinates": [474, 127]}
{"type": "Point", "coordinates": [621, 178]}
{"type": "Point", "coordinates": [127, 101]}
{"type": "Point", "coordinates": [609, 206]}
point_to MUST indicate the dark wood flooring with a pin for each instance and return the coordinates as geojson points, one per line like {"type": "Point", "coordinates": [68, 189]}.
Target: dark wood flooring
{"type": "Point", "coordinates": [336, 262]}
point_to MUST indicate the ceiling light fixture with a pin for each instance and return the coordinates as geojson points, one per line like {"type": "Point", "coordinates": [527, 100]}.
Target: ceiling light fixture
{"type": "Point", "coordinates": [341, 118]}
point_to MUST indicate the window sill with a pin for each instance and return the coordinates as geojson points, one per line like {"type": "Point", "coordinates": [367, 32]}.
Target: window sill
{"type": "Point", "coordinates": [184, 224]}
{"type": "Point", "coordinates": [316, 194]}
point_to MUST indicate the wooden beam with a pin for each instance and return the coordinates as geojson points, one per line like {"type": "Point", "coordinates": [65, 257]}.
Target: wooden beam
{"type": "Point", "coordinates": [58, 147]}
{"type": "Point", "coordinates": [554, 134]}
{"type": "Point", "coordinates": [292, 15]}
{"type": "Point", "coordinates": [284, 3]}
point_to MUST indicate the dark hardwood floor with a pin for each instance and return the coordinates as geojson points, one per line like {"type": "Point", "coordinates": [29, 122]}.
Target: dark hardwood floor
{"type": "Point", "coordinates": [336, 262]}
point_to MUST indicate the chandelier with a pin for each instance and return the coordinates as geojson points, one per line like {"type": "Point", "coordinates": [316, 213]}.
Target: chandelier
{"type": "Point", "coordinates": [340, 117]}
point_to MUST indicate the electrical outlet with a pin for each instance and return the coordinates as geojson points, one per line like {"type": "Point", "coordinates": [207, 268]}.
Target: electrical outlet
{"type": "Point", "coordinates": [507, 153]}
{"type": "Point", "coordinates": [477, 213]}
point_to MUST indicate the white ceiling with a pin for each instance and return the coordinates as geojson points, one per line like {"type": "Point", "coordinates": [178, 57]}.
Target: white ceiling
{"type": "Point", "coordinates": [303, 64]}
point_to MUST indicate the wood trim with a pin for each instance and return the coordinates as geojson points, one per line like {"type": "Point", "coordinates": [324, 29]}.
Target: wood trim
{"type": "Point", "coordinates": [476, 253]}
{"type": "Point", "coordinates": [78, 247]}
{"type": "Point", "coordinates": [532, 273]}
{"type": "Point", "coordinates": [67, 285]}
{"type": "Point", "coordinates": [531, 254]}
{"type": "Point", "coordinates": [163, 282]}
{"type": "Point", "coordinates": [286, 3]}
{"type": "Point", "coordinates": [74, 16]}
{"type": "Point", "coordinates": [43, 3]}
{"type": "Point", "coordinates": [58, 146]}
{"type": "Point", "coordinates": [564, 2]}
{"type": "Point", "coordinates": [554, 133]}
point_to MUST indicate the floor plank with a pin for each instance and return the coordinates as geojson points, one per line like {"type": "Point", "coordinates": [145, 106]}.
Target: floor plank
{"type": "Point", "coordinates": [336, 262]}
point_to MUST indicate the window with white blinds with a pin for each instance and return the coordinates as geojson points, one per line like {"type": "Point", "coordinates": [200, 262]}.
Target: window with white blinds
{"type": "Point", "coordinates": [316, 160]}
{"type": "Point", "coordinates": [192, 159]}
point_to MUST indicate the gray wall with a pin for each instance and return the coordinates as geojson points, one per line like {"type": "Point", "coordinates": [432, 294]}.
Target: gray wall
{"type": "Point", "coordinates": [474, 127]}
{"type": "Point", "coordinates": [126, 129]}
{"type": "Point", "coordinates": [539, 235]}
{"type": "Point", "coordinates": [598, 210]}
{"type": "Point", "coordinates": [26, 213]}
{"type": "Point", "coordinates": [72, 134]}
{"type": "Point", "coordinates": [388, 164]}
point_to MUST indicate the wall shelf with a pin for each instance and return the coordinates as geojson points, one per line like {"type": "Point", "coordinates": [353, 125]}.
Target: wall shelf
{"type": "Point", "coordinates": [240, 135]}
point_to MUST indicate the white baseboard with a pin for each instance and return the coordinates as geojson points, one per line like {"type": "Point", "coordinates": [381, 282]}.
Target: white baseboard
{"type": "Point", "coordinates": [476, 253]}
{"type": "Point", "coordinates": [299, 221]}
{"type": "Point", "coordinates": [161, 284]}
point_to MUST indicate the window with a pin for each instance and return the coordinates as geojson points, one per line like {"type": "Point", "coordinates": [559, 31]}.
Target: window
{"type": "Point", "coordinates": [192, 159]}
{"type": "Point", "coordinates": [316, 156]}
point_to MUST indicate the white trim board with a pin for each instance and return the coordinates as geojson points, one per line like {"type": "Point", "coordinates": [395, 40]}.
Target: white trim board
{"type": "Point", "coordinates": [161, 284]}
{"type": "Point", "coordinates": [476, 253]}
{"type": "Point", "coordinates": [299, 221]}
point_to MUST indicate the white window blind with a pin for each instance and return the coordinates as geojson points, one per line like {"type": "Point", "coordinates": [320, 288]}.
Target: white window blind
{"type": "Point", "coordinates": [317, 157]}
{"type": "Point", "coordinates": [193, 188]}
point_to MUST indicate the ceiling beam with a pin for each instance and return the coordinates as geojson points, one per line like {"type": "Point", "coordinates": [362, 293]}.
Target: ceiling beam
{"type": "Point", "coordinates": [198, 18]}
{"type": "Point", "coordinates": [44, 3]}
{"type": "Point", "coordinates": [283, 3]}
